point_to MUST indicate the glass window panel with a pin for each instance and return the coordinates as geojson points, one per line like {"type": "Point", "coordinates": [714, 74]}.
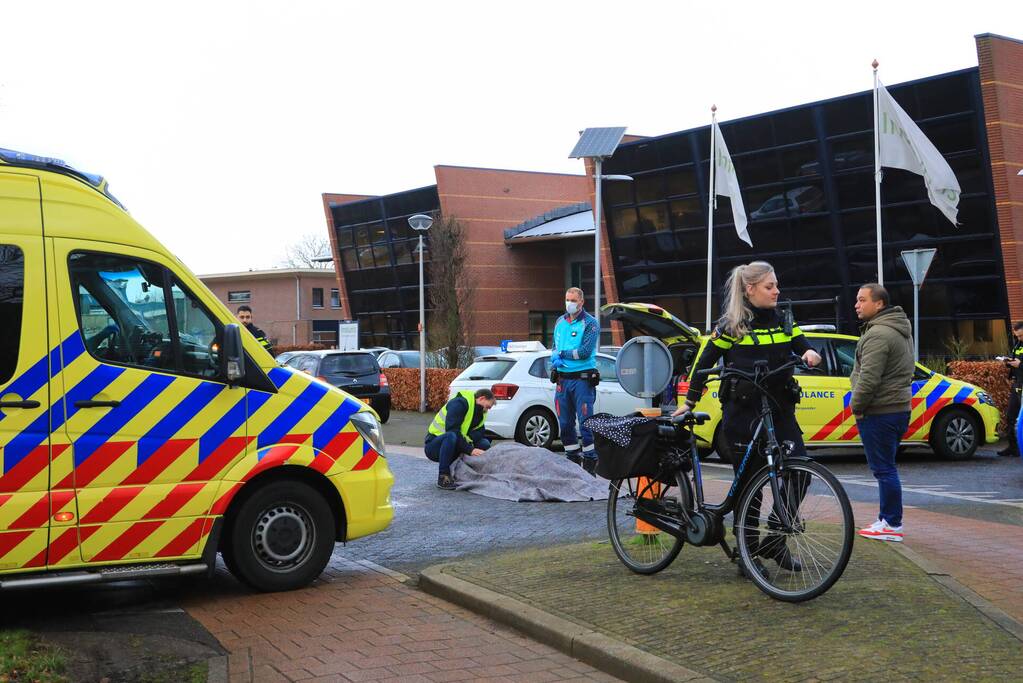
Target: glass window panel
{"type": "Point", "coordinates": [795, 125]}
{"type": "Point", "coordinates": [799, 161]}
{"type": "Point", "coordinates": [692, 244]}
{"type": "Point", "coordinates": [901, 186]}
{"type": "Point", "coordinates": [979, 298]}
{"type": "Point", "coordinates": [858, 227]}
{"type": "Point", "coordinates": [912, 223]}
{"type": "Point", "coordinates": [627, 251]}
{"type": "Point", "coordinates": [944, 95]}
{"type": "Point", "coordinates": [965, 259]}
{"type": "Point", "coordinates": [649, 188]}
{"type": "Point", "coordinates": [852, 152]}
{"type": "Point", "coordinates": [751, 134]}
{"type": "Point", "coordinates": [849, 114]}
{"type": "Point", "coordinates": [345, 238]}
{"type": "Point", "coordinates": [687, 213]}
{"type": "Point", "coordinates": [335, 298]}
{"type": "Point", "coordinates": [198, 334]}
{"type": "Point", "coordinates": [681, 182]}
{"type": "Point", "coordinates": [654, 218]}
{"type": "Point", "coordinates": [660, 247]}
{"type": "Point", "coordinates": [348, 260]}
{"type": "Point", "coordinates": [757, 169]}
{"type": "Point", "coordinates": [811, 232]}
{"type": "Point", "coordinates": [624, 222]}
{"type": "Point", "coordinates": [12, 292]}
{"type": "Point", "coordinates": [377, 232]}
{"type": "Point", "coordinates": [617, 192]}
{"type": "Point", "coordinates": [974, 216]}
{"type": "Point", "coordinates": [675, 150]}
{"type": "Point", "coordinates": [382, 254]}
{"type": "Point", "coordinates": [317, 297]}
{"type": "Point", "coordinates": [362, 236]}
{"type": "Point", "coordinates": [970, 172]}
{"type": "Point", "coordinates": [950, 136]}
{"type": "Point", "coordinates": [855, 190]}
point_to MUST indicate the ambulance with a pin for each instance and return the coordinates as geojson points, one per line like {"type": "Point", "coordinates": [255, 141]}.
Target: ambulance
{"type": "Point", "coordinates": [950, 416]}
{"type": "Point", "coordinates": [142, 431]}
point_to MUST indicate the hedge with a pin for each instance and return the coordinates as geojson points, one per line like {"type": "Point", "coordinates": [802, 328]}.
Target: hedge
{"type": "Point", "coordinates": [405, 387]}
{"type": "Point", "coordinates": [991, 376]}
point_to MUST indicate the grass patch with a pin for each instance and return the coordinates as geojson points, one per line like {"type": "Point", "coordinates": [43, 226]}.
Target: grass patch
{"type": "Point", "coordinates": [24, 657]}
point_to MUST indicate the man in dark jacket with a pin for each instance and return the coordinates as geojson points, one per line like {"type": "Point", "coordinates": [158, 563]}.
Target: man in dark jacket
{"type": "Point", "coordinates": [882, 379]}
{"type": "Point", "coordinates": [244, 315]}
{"type": "Point", "coordinates": [1016, 377]}
{"type": "Point", "coordinates": [458, 429]}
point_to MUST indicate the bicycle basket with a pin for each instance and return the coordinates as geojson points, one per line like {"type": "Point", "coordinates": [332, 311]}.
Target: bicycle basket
{"type": "Point", "coordinates": [626, 446]}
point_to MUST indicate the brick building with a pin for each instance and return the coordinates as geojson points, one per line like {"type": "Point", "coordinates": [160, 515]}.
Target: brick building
{"type": "Point", "coordinates": [806, 174]}
{"type": "Point", "coordinates": [292, 305]}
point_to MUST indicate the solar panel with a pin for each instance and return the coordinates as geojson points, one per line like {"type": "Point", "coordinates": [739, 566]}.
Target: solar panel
{"type": "Point", "coordinates": [597, 142]}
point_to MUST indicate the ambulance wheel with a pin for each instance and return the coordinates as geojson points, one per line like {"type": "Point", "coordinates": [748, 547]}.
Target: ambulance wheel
{"type": "Point", "coordinates": [956, 434]}
{"type": "Point", "coordinates": [281, 537]}
{"type": "Point", "coordinates": [537, 427]}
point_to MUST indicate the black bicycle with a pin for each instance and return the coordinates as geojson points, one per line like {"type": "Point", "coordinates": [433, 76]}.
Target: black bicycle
{"type": "Point", "coordinates": [792, 520]}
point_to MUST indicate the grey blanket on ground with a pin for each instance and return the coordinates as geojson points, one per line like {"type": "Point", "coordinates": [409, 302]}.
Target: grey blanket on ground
{"type": "Point", "coordinates": [511, 471]}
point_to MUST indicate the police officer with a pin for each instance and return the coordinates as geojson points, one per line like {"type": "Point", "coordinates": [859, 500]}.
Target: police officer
{"type": "Point", "coordinates": [752, 329]}
{"type": "Point", "coordinates": [244, 315]}
{"type": "Point", "coordinates": [574, 370]}
{"type": "Point", "coordinates": [1015, 365]}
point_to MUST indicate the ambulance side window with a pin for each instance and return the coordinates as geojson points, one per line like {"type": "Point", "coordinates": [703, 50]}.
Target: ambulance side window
{"type": "Point", "coordinates": [845, 355]}
{"type": "Point", "coordinates": [12, 291]}
{"type": "Point", "coordinates": [819, 345]}
{"type": "Point", "coordinates": [125, 309]}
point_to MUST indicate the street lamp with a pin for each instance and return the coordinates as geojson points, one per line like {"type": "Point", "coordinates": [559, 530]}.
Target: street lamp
{"type": "Point", "coordinates": [421, 223]}
{"type": "Point", "coordinates": [598, 144]}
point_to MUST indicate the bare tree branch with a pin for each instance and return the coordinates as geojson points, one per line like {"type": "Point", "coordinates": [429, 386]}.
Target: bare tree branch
{"type": "Point", "coordinates": [451, 293]}
{"type": "Point", "coordinates": [311, 246]}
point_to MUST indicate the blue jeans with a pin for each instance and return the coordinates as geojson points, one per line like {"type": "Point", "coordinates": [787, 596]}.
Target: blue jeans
{"type": "Point", "coordinates": [881, 435]}
{"type": "Point", "coordinates": [446, 448]}
{"type": "Point", "coordinates": [574, 401]}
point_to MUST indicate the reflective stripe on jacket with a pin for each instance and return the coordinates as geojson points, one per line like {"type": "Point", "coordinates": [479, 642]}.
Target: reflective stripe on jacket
{"type": "Point", "coordinates": [437, 426]}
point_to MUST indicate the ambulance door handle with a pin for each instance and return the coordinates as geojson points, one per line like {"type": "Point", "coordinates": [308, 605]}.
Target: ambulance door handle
{"type": "Point", "coordinates": [19, 404]}
{"type": "Point", "coordinates": [97, 404]}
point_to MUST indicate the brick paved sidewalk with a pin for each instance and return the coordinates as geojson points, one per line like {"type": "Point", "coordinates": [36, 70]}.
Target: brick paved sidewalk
{"type": "Point", "coordinates": [360, 623]}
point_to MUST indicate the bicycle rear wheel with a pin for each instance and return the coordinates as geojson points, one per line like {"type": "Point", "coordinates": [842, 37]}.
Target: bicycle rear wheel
{"type": "Point", "coordinates": [641, 547]}
{"type": "Point", "coordinates": [804, 559]}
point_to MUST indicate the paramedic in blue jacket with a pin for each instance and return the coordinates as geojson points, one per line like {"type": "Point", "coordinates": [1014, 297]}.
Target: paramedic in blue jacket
{"type": "Point", "coordinates": [574, 370]}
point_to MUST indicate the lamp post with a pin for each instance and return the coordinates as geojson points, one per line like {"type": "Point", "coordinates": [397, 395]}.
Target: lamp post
{"type": "Point", "coordinates": [421, 223]}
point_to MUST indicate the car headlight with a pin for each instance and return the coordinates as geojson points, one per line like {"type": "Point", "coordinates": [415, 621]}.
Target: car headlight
{"type": "Point", "coordinates": [985, 398]}
{"type": "Point", "coordinates": [368, 426]}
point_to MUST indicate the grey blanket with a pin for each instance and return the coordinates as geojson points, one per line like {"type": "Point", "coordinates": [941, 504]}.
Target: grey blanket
{"type": "Point", "coordinates": [511, 471]}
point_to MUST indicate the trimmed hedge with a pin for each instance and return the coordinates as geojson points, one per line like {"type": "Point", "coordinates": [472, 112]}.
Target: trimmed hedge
{"type": "Point", "coordinates": [405, 387]}
{"type": "Point", "coordinates": [991, 376]}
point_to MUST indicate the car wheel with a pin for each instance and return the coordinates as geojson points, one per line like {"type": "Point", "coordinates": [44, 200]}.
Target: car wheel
{"type": "Point", "coordinates": [956, 434]}
{"type": "Point", "coordinates": [281, 537]}
{"type": "Point", "coordinates": [537, 427]}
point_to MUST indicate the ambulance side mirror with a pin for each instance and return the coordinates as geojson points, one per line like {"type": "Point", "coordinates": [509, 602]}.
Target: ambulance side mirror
{"type": "Point", "coordinates": [234, 352]}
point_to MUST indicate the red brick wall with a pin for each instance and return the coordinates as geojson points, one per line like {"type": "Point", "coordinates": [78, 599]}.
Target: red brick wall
{"type": "Point", "coordinates": [273, 303]}
{"type": "Point", "coordinates": [1001, 84]}
{"type": "Point", "coordinates": [509, 282]}
{"type": "Point", "coordinates": [338, 199]}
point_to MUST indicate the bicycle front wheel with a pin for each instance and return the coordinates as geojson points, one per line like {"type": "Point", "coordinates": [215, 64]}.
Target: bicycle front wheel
{"type": "Point", "coordinates": [641, 547]}
{"type": "Point", "coordinates": [794, 546]}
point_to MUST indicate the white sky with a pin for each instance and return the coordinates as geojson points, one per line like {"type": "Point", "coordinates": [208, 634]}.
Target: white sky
{"type": "Point", "coordinates": [219, 124]}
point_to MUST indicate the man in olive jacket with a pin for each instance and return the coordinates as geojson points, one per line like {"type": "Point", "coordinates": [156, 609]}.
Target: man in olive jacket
{"type": "Point", "coordinates": [882, 381]}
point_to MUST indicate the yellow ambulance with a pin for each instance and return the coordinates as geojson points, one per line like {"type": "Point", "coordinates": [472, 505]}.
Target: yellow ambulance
{"type": "Point", "coordinates": [141, 430]}
{"type": "Point", "coordinates": [951, 416]}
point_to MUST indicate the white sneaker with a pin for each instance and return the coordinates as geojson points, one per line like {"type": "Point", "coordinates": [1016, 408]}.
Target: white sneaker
{"type": "Point", "coordinates": [880, 531]}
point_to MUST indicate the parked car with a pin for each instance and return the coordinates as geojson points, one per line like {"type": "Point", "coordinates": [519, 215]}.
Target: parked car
{"type": "Point", "coordinates": [798, 200]}
{"type": "Point", "coordinates": [466, 355]}
{"type": "Point", "coordinates": [354, 372]}
{"type": "Point", "coordinates": [404, 359]}
{"type": "Point", "coordinates": [520, 380]}
{"type": "Point", "coordinates": [951, 416]}
{"type": "Point", "coordinates": [375, 350]}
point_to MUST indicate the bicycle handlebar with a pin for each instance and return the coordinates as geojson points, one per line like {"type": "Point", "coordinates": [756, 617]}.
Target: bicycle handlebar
{"type": "Point", "coordinates": [756, 376]}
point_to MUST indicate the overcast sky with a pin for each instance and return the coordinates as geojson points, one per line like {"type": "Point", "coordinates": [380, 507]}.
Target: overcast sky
{"type": "Point", "coordinates": [219, 124]}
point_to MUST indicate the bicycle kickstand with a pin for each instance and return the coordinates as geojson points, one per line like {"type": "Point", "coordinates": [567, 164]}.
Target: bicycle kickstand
{"type": "Point", "coordinates": [732, 553]}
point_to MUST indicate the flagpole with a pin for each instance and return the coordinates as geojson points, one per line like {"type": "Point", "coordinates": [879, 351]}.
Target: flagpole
{"type": "Point", "coordinates": [877, 181]}
{"type": "Point", "coordinates": [710, 208]}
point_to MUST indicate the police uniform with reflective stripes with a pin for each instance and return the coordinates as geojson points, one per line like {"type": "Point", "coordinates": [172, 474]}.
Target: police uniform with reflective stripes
{"type": "Point", "coordinates": [1012, 412]}
{"type": "Point", "coordinates": [260, 336]}
{"type": "Point", "coordinates": [766, 340]}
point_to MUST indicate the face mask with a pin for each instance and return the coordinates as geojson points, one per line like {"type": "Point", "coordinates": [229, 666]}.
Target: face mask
{"type": "Point", "coordinates": [571, 307]}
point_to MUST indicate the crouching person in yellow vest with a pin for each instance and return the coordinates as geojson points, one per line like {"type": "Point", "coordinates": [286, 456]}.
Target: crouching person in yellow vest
{"type": "Point", "coordinates": [458, 430]}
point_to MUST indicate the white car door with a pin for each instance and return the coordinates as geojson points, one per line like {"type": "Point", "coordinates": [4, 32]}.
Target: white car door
{"type": "Point", "coordinates": [611, 398]}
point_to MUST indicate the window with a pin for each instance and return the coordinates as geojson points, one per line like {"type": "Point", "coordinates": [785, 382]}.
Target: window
{"type": "Point", "coordinates": [335, 298]}
{"type": "Point", "coordinates": [131, 313]}
{"type": "Point", "coordinates": [12, 292]}
{"type": "Point", "coordinates": [541, 326]}
{"type": "Point", "coordinates": [350, 364]}
{"type": "Point", "coordinates": [606, 368]}
{"type": "Point", "coordinates": [845, 356]}
{"type": "Point", "coordinates": [317, 297]}
{"type": "Point", "coordinates": [239, 297]}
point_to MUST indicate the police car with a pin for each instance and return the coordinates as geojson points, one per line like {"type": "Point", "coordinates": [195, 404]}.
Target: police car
{"type": "Point", "coordinates": [951, 416]}
{"type": "Point", "coordinates": [520, 380]}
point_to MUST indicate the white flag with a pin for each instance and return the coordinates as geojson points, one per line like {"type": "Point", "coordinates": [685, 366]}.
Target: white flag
{"type": "Point", "coordinates": [726, 184]}
{"type": "Point", "coordinates": [904, 145]}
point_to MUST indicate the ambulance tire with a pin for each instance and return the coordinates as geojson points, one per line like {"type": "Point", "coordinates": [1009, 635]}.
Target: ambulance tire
{"type": "Point", "coordinates": [281, 537]}
{"type": "Point", "coordinates": [956, 434]}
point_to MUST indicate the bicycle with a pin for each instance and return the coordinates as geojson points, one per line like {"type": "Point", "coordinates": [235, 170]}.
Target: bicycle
{"type": "Point", "coordinates": [801, 506]}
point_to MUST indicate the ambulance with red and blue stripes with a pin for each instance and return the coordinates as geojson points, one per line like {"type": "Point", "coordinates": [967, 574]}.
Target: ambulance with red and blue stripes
{"type": "Point", "coordinates": [142, 431]}
{"type": "Point", "coordinates": [951, 416]}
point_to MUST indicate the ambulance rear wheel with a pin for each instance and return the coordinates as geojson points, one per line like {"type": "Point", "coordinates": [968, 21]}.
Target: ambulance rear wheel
{"type": "Point", "coordinates": [956, 434]}
{"type": "Point", "coordinates": [281, 537]}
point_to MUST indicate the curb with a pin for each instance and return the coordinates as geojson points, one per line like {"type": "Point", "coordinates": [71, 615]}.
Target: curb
{"type": "Point", "coordinates": [596, 649]}
{"type": "Point", "coordinates": [1001, 618]}
{"type": "Point", "coordinates": [216, 671]}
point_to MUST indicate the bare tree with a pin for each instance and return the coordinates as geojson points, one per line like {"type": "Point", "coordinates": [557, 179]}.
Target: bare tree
{"type": "Point", "coordinates": [301, 254]}
{"type": "Point", "coordinates": [451, 292]}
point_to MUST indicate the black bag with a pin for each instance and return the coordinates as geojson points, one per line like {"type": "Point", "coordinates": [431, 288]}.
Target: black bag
{"type": "Point", "coordinates": [638, 459]}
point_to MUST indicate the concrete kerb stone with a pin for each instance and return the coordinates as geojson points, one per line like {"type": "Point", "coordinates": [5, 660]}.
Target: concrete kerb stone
{"type": "Point", "coordinates": [216, 671]}
{"type": "Point", "coordinates": [1006, 622]}
{"type": "Point", "coordinates": [596, 649]}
